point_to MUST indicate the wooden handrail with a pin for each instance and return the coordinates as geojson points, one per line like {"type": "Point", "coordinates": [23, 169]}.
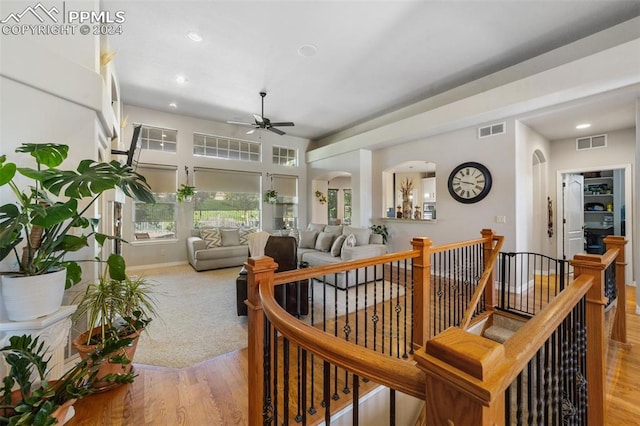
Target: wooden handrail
{"type": "Point", "coordinates": [318, 271]}
{"type": "Point", "coordinates": [451, 246]}
{"type": "Point", "coordinates": [482, 284]}
{"type": "Point", "coordinates": [395, 373]}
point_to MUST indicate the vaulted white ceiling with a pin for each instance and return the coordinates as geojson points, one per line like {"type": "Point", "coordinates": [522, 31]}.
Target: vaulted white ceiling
{"type": "Point", "coordinates": [371, 57]}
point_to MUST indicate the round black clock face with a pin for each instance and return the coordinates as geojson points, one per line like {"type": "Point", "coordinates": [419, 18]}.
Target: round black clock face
{"type": "Point", "coordinates": [469, 182]}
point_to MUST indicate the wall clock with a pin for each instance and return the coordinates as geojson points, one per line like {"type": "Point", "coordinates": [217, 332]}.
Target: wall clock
{"type": "Point", "coordinates": [469, 182]}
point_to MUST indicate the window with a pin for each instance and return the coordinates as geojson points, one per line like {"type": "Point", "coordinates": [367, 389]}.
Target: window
{"type": "Point", "coordinates": [347, 207]}
{"type": "Point", "coordinates": [285, 156]}
{"type": "Point", "coordinates": [158, 139]}
{"type": "Point", "coordinates": [226, 198]}
{"type": "Point", "coordinates": [157, 221]}
{"type": "Point", "coordinates": [286, 208]}
{"type": "Point", "coordinates": [332, 206]}
{"type": "Point", "coordinates": [225, 148]}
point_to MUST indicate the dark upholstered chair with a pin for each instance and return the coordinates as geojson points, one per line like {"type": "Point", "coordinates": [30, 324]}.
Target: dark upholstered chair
{"type": "Point", "coordinates": [293, 296]}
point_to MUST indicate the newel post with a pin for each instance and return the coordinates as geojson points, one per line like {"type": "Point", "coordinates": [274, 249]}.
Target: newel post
{"type": "Point", "coordinates": [490, 289]}
{"type": "Point", "coordinates": [619, 330]}
{"type": "Point", "coordinates": [460, 373]}
{"type": "Point", "coordinates": [421, 290]}
{"type": "Point", "coordinates": [596, 334]}
{"type": "Point", "coordinates": [260, 272]}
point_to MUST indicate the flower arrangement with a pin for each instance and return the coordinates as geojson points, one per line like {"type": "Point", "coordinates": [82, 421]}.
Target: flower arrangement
{"type": "Point", "coordinates": [271, 196]}
{"type": "Point", "coordinates": [406, 187]}
{"type": "Point", "coordinates": [321, 197]}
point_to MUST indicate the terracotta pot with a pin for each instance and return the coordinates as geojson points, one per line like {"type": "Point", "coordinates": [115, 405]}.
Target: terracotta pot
{"type": "Point", "coordinates": [107, 367]}
{"type": "Point", "coordinates": [63, 413]}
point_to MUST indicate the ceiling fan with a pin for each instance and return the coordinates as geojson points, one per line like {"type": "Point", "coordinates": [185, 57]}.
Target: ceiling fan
{"type": "Point", "coordinates": [262, 122]}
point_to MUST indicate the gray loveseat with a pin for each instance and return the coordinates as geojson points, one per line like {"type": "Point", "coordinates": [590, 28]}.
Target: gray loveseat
{"type": "Point", "coordinates": [321, 245]}
{"type": "Point", "coordinates": [214, 248]}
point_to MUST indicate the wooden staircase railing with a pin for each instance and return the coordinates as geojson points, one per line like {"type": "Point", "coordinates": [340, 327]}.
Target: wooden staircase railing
{"type": "Point", "coordinates": [461, 376]}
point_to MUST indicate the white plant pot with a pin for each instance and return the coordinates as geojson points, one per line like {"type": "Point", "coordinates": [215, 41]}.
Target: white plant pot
{"type": "Point", "coordinates": [28, 298]}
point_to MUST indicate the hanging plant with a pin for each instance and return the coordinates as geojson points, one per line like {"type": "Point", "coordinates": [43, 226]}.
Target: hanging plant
{"type": "Point", "coordinates": [186, 193]}
{"type": "Point", "coordinates": [321, 197]}
{"type": "Point", "coordinates": [271, 196]}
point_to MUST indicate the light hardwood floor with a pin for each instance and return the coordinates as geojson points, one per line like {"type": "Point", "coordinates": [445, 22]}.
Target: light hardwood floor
{"type": "Point", "coordinates": [215, 391]}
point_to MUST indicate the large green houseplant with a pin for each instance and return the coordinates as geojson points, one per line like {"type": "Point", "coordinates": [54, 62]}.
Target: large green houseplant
{"type": "Point", "coordinates": [47, 217]}
{"type": "Point", "coordinates": [28, 397]}
{"type": "Point", "coordinates": [116, 307]}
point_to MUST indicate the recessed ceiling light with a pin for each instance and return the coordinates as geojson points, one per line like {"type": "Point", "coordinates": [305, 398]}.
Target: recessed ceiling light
{"type": "Point", "coordinates": [173, 105]}
{"type": "Point", "coordinates": [194, 36]}
{"type": "Point", "coordinates": [307, 50]}
{"type": "Point", "coordinates": [583, 126]}
{"type": "Point", "coordinates": [181, 79]}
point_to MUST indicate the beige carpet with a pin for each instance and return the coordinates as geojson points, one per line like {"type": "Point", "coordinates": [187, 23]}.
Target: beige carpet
{"type": "Point", "coordinates": [198, 318]}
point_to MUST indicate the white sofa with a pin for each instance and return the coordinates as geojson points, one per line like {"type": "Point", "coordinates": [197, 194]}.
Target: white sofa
{"type": "Point", "coordinates": [232, 249]}
{"type": "Point", "coordinates": [314, 252]}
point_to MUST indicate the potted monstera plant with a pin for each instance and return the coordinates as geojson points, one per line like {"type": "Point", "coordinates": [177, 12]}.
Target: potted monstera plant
{"type": "Point", "coordinates": [117, 307]}
{"type": "Point", "coordinates": [46, 219]}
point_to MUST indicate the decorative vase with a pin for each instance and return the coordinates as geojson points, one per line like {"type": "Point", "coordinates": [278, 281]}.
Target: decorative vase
{"type": "Point", "coordinates": [29, 297]}
{"type": "Point", "coordinates": [107, 367]}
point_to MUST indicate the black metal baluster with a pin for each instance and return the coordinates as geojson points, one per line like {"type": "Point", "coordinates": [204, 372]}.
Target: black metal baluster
{"type": "Point", "coordinates": [267, 408]}
{"type": "Point", "coordinates": [519, 399]}
{"type": "Point", "coordinates": [275, 375]}
{"type": "Point", "coordinates": [355, 418]}
{"type": "Point", "coordinates": [303, 415]}
{"type": "Point", "coordinates": [392, 407]}
{"type": "Point", "coordinates": [412, 317]}
{"type": "Point", "coordinates": [539, 392]}
{"type": "Point", "coordinates": [555, 367]}
{"type": "Point", "coordinates": [382, 328]}
{"type": "Point", "coordinates": [326, 390]}
{"type": "Point", "coordinates": [529, 391]}
{"type": "Point", "coordinates": [404, 333]}
{"type": "Point", "coordinates": [300, 383]}
{"type": "Point", "coordinates": [285, 380]}
{"type": "Point", "coordinates": [507, 404]}
{"type": "Point", "coordinates": [547, 379]}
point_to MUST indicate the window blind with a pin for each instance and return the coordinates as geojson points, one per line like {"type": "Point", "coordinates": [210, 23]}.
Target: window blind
{"type": "Point", "coordinates": [214, 180]}
{"type": "Point", "coordinates": [161, 179]}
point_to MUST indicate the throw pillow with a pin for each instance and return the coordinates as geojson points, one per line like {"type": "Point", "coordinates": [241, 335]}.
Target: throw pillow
{"type": "Point", "coordinates": [349, 241]}
{"type": "Point", "coordinates": [361, 234]}
{"type": "Point", "coordinates": [212, 237]}
{"type": "Point", "coordinates": [244, 235]}
{"type": "Point", "coordinates": [333, 229]}
{"type": "Point", "coordinates": [230, 237]}
{"type": "Point", "coordinates": [336, 247]}
{"type": "Point", "coordinates": [318, 227]}
{"type": "Point", "coordinates": [323, 242]}
{"type": "Point", "coordinates": [308, 239]}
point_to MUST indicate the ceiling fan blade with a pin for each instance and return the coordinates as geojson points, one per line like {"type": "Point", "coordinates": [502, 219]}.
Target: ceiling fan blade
{"type": "Point", "coordinates": [250, 132]}
{"type": "Point", "coordinates": [241, 123]}
{"type": "Point", "coordinates": [258, 118]}
{"type": "Point", "coordinates": [274, 130]}
{"type": "Point", "coordinates": [284, 123]}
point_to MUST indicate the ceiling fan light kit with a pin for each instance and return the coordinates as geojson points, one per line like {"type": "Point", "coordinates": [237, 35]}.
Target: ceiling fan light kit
{"type": "Point", "coordinates": [262, 122]}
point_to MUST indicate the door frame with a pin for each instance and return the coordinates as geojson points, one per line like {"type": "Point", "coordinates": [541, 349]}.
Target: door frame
{"type": "Point", "coordinates": [629, 219]}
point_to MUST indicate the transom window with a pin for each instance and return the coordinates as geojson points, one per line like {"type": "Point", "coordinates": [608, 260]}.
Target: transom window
{"type": "Point", "coordinates": [158, 139]}
{"type": "Point", "coordinates": [225, 148]}
{"type": "Point", "coordinates": [285, 156]}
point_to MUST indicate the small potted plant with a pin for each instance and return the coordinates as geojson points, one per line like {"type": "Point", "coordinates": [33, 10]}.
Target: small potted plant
{"type": "Point", "coordinates": [271, 196]}
{"type": "Point", "coordinates": [382, 230]}
{"type": "Point", "coordinates": [46, 220]}
{"type": "Point", "coordinates": [29, 398]}
{"type": "Point", "coordinates": [186, 193]}
{"type": "Point", "coordinates": [117, 307]}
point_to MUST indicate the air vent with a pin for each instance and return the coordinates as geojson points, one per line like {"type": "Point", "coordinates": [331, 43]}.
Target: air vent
{"type": "Point", "coordinates": [492, 130]}
{"type": "Point", "coordinates": [591, 142]}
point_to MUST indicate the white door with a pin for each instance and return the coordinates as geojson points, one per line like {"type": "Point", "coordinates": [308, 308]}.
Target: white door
{"type": "Point", "coordinates": [573, 205]}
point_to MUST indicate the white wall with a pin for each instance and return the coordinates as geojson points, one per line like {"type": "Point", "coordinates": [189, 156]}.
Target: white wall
{"type": "Point", "coordinates": [159, 252]}
{"type": "Point", "coordinates": [455, 221]}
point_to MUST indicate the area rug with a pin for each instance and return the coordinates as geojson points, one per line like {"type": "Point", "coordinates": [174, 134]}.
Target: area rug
{"type": "Point", "coordinates": [197, 317]}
